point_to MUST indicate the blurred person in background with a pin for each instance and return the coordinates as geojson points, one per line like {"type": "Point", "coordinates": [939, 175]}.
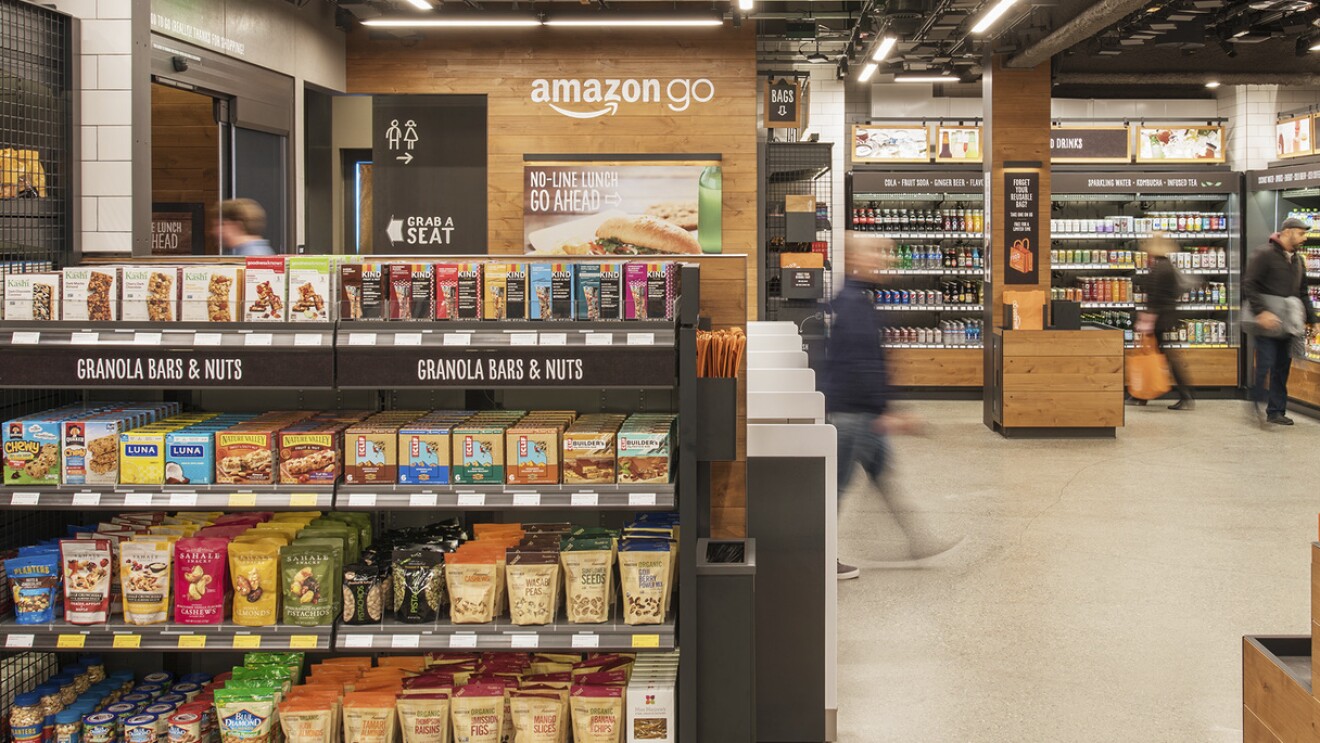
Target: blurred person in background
{"type": "Point", "coordinates": [855, 382]}
{"type": "Point", "coordinates": [242, 224]}
{"type": "Point", "coordinates": [1274, 287]}
{"type": "Point", "coordinates": [1164, 286]}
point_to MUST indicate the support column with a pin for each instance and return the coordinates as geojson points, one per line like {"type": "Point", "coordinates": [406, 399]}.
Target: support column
{"type": "Point", "coordinates": [1017, 140]}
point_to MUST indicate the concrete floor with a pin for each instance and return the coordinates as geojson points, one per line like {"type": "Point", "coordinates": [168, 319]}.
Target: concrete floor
{"type": "Point", "coordinates": [1102, 587]}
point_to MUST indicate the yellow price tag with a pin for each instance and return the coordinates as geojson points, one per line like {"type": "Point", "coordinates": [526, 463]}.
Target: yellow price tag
{"type": "Point", "coordinates": [302, 499]}
{"type": "Point", "coordinates": [646, 641]}
{"type": "Point", "coordinates": [129, 642]}
{"type": "Point", "coordinates": [192, 641]}
{"type": "Point", "coordinates": [71, 641]}
{"type": "Point", "coordinates": [302, 642]}
{"type": "Point", "coordinates": [238, 500]}
{"type": "Point", "coordinates": [247, 642]}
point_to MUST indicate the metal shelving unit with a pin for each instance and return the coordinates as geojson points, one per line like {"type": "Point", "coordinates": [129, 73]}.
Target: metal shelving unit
{"type": "Point", "coordinates": [795, 169]}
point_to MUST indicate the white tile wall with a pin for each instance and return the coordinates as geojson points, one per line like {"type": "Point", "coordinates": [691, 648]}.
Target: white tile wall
{"type": "Point", "coordinates": [107, 132]}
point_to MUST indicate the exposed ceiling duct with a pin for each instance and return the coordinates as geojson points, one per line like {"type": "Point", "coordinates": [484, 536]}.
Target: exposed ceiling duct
{"type": "Point", "coordinates": [1087, 24]}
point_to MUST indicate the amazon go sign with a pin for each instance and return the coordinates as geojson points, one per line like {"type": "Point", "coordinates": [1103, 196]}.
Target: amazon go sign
{"type": "Point", "coordinates": [588, 99]}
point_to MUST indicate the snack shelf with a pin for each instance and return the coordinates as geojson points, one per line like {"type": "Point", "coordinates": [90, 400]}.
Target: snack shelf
{"type": "Point", "coordinates": [929, 307]}
{"type": "Point", "coordinates": [933, 271]}
{"type": "Point", "coordinates": [1113, 267]}
{"type": "Point", "coordinates": [502, 634]}
{"type": "Point", "coordinates": [118, 635]}
{"type": "Point", "coordinates": [940, 235]}
{"type": "Point", "coordinates": [1196, 307]}
{"type": "Point", "coordinates": [601, 497]}
{"type": "Point", "coordinates": [171, 497]}
{"type": "Point", "coordinates": [931, 345]}
{"type": "Point", "coordinates": [1108, 305]}
{"type": "Point", "coordinates": [1184, 345]}
{"type": "Point", "coordinates": [1138, 235]}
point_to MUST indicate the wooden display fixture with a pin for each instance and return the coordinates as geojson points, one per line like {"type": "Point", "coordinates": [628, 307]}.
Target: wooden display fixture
{"type": "Point", "coordinates": [1278, 697]}
{"type": "Point", "coordinates": [936, 367]}
{"type": "Point", "coordinates": [1212, 367]}
{"type": "Point", "coordinates": [1304, 382]}
{"type": "Point", "coordinates": [1052, 380]}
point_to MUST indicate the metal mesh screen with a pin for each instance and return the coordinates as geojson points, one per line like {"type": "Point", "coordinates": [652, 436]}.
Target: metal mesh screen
{"type": "Point", "coordinates": [795, 169]}
{"type": "Point", "coordinates": [36, 234]}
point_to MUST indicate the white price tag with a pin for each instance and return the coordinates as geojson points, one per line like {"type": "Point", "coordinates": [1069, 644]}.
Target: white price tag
{"type": "Point", "coordinates": [19, 641]}
{"type": "Point", "coordinates": [24, 337]}
{"type": "Point", "coordinates": [206, 339]}
{"type": "Point", "coordinates": [404, 641]}
{"type": "Point", "coordinates": [407, 339]}
{"type": "Point", "coordinates": [463, 640]}
{"type": "Point", "coordinates": [179, 500]}
{"type": "Point", "coordinates": [641, 499]}
{"type": "Point", "coordinates": [524, 640]}
{"type": "Point", "coordinates": [472, 499]}
{"type": "Point", "coordinates": [25, 499]}
{"type": "Point", "coordinates": [522, 339]}
{"type": "Point", "coordinates": [307, 339]}
{"type": "Point", "coordinates": [87, 499]}
{"type": "Point", "coordinates": [146, 339]}
{"type": "Point", "coordinates": [641, 339]}
{"type": "Point", "coordinates": [84, 338]}
{"type": "Point", "coordinates": [137, 499]}
{"type": "Point", "coordinates": [458, 339]}
{"type": "Point", "coordinates": [526, 499]}
{"type": "Point", "coordinates": [586, 640]}
{"type": "Point", "coordinates": [361, 339]}
{"type": "Point", "coordinates": [358, 641]}
{"type": "Point", "coordinates": [362, 500]}
{"type": "Point", "coordinates": [600, 339]}
{"type": "Point", "coordinates": [258, 339]}
{"type": "Point", "coordinates": [554, 339]}
{"type": "Point", "coordinates": [422, 500]}
{"type": "Point", "coordinates": [585, 499]}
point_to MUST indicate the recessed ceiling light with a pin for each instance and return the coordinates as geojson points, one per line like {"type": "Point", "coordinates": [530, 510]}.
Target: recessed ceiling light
{"type": "Point", "coordinates": [470, 22]}
{"type": "Point", "coordinates": [925, 79]}
{"type": "Point", "coordinates": [634, 22]}
{"type": "Point", "coordinates": [1212, 84]}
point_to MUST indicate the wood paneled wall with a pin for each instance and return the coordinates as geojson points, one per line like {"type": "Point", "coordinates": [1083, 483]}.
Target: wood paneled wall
{"type": "Point", "coordinates": [503, 66]}
{"type": "Point", "coordinates": [185, 153]}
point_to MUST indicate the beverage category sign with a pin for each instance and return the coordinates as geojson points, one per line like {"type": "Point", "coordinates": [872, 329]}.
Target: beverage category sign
{"type": "Point", "coordinates": [1090, 144]}
{"type": "Point", "coordinates": [1021, 227]}
{"type": "Point", "coordinates": [429, 174]}
{"type": "Point", "coordinates": [622, 209]}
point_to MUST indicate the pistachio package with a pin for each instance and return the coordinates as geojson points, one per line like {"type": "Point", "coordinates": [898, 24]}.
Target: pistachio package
{"type": "Point", "coordinates": [365, 593]}
{"type": "Point", "coordinates": [533, 584]}
{"type": "Point", "coordinates": [419, 584]}
{"type": "Point", "coordinates": [588, 579]}
{"type": "Point", "coordinates": [308, 584]}
{"type": "Point", "coordinates": [254, 569]}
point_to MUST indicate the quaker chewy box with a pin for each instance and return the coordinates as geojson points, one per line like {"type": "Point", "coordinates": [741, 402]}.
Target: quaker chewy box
{"type": "Point", "coordinates": [32, 448]}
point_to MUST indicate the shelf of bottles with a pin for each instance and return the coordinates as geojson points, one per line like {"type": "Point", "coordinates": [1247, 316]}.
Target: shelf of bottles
{"type": "Point", "coordinates": [1098, 258]}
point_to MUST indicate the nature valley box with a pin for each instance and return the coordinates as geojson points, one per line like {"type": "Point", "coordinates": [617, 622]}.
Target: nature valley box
{"type": "Point", "coordinates": [212, 293]}
{"type": "Point", "coordinates": [310, 288]}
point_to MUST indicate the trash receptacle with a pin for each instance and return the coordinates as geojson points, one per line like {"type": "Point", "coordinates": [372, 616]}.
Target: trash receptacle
{"type": "Point", "coordinates": [726, 640]}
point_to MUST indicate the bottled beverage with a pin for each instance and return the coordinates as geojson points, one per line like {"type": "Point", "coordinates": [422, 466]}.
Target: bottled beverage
{"type": "Point", "coordinates": [710, 200]}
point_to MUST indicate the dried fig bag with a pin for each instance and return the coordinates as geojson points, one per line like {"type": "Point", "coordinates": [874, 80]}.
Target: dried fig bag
{"type": "Point", "coordinates": [533, 582]}
{"type": "Point", "coordinates": [254, 568]}
{"type": "Point", "coordinates": [597, 714]}
{"type": "Point", "coordinates": [424, 718]}
{"type": "Point", "coordinates": [477, 712]}
{"type": "Point", "coordinates": [588, 580]}
{"type": "Point", "coordinates": [144, 571]}
{"type": "Point", "coordinates": [86, 566]}
{"type": "Point", "coordinates": [644, 577]}
{"type": "Point", "coordinates": [472, 586]}
{"type": "Point", "coordinates": [537, 717]}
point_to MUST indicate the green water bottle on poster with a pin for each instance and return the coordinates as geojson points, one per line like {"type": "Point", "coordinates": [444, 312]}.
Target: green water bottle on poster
{"type": "Point", "coordinates": [710, 205]}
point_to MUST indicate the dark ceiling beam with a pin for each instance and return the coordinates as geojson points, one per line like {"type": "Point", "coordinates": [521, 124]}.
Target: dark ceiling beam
{"type": "Point", "coordinates": [1186, 78]}
{"type": "Point", "coordinates": [1088, 23]}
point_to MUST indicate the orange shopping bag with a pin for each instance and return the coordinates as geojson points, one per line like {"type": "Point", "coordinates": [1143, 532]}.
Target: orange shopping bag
{"type": "Point", "coordinates": [1148, 371]}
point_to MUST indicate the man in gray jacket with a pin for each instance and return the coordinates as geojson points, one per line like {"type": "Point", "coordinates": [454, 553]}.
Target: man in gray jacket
{"type": "Point", "coordinates": [1274, 286]}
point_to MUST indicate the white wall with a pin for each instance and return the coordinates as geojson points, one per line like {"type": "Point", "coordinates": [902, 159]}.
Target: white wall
{"type": "Point", "coordinates": [106, 171]}
{"type": "Point", "coordinates": [1250, 110]}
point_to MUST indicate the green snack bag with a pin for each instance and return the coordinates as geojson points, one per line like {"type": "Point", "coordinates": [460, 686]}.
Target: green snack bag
{"type": "Point", "coordinates": [336, 544]}
{"type": "Point", "coordinates": [244, 715]}
{"type": "Point", "coordinates": [307, 575]}
{"type": "Point", "coordinates": [322, 528]}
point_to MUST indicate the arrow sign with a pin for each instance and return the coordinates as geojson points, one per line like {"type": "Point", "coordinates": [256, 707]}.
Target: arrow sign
{"type": "Point", "coordinates": [613, 199]}
{"type": "Point", "coordinates": [395, 230]}
{"type": "Point", "coordinates": [405, 157]}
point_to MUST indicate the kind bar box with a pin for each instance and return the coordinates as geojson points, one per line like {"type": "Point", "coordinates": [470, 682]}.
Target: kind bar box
{"type": "Point", "coordinates": [445, 276]}
{"type": "Point", "coordinates": [212, 293]}
{"type": "Point", "coordinates": [597, 291]}
{"type": "Point", "coordinates": [374, 295]}
{"type": "Point", "coordinates": [505, 295]}
{"type": "Point", "coordinates": [470, 291]}
{"type": "Point", "coordinates": [423, 291]}
{"type": "Point", "coordinates": [550, 291]}
{"type": "Point", "coordinates": [309, 288]}
{"type": "Point", "coordinates": [32, 450]}
{"type": "Point", "coordinates": [398, 291]}
{"type": "Point", "coordinates": [32, 296]}
{"type": "Point", "coordinates": [611, 291]}
{"type": "Point", "coordinates": [350, 291]}
{"type": "Point", "coordinates": [149, 293]}
{"type": "Point", "coordinates": [265, 289]}
{"type": "Point", "coordinates": [645, 291]}
{"type": "Point", "coordinates": [91, 294]}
